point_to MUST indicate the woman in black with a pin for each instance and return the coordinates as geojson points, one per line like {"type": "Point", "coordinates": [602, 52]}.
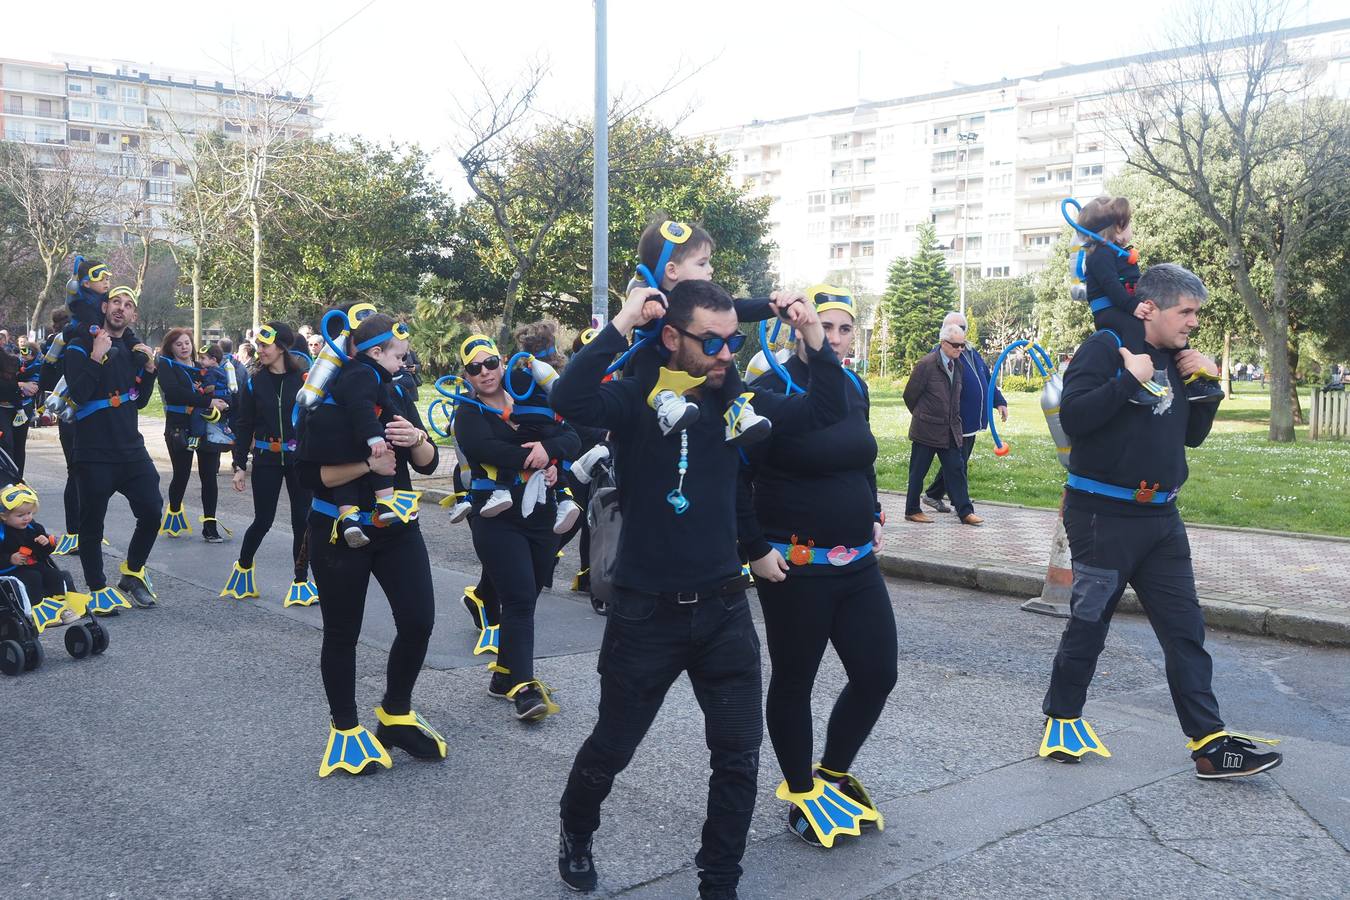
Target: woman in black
{"type": "Point", "coordinates": [518, 552]}
{"type": "Point", "coordinates": [397, 557]}
{"type": "Point", "coordinates": [263, 427]}
{"type": "Point", "coordinates": [813, 554]}
{"type": "Point", "coordinates": [181, 386]}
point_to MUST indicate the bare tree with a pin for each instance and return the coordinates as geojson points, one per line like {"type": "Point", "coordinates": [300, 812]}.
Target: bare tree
{"type": "Point", "coordinates": [1240, 122]}
{"type": "Point", "coordinates": [63, 199]}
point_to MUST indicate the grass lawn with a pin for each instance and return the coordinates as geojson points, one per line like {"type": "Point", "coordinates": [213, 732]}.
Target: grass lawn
{"type": "Point", "coordinates": [1236, 478]}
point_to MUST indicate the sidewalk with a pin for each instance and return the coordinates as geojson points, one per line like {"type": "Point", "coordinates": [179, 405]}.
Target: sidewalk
{"type": "Point", "coordinates": [1259, 582]}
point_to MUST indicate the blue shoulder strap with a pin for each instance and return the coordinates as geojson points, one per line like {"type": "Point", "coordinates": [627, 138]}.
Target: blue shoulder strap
{"type": "Point", "coordinates": [857, 382]}
{"type": "Point", "coordinates": [1119, 342]}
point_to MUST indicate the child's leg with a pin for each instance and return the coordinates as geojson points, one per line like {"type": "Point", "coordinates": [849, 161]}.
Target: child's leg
{"type": "Point", "coordinates": [348, 496]}
{"type": "Point", "coordinates": [1128, 328]}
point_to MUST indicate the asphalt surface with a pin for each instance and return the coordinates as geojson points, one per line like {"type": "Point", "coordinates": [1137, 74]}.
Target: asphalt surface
{"type": "Point", "coordinates": [183, 763]}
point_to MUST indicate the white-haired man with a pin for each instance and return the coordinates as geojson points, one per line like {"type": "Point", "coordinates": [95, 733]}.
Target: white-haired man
{"type": "Point", "coordinates": [933, 396]}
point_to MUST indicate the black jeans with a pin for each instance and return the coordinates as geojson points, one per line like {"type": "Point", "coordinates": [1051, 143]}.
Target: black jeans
{"type": "Point", "coordinates": [648, 642]}
{"type": "Point", "coordinates": [953, 471]}
{"type": "Point", "coordinates": [852, 611]}
{"type": "Point", "coordinates": [397, 557]}
{"type": "Point", "coordinates": [139, 483]}
{"type": "Point", "coordinates": [1152, 554]}
{"type": "Point", "coordinates": [518, 558]}
{"type": "Point", "coordinates": [267, 481]}
{"type": "Point", "coordinates": [938, 489]}
{"type": "Point", "coordinates": [72, 495]}
{"type": "Point", "coordinates": [208, 468]}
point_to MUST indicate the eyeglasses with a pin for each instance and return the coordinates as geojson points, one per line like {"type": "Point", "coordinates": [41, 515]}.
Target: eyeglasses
{"type": "Point", "coordinates": [713, 345]}
{"type": "Point", "coordinates": [491, 363]}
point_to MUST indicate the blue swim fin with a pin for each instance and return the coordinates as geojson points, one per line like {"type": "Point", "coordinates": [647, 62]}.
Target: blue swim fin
{"type": "Point", "coordinates": [852, 788]}
{"type": "Point", "coordinates": [106, 601]}
{"type": "Point", "coordinates": [826, 812]}
{"type": "Point", "coordinates": [69, 543]}
{"type": "Point", "coordinates": [354, 750]}
{"type": "Point", "coordinates": [47, 612]}
{"type": "Point", "coordinates": [402, 505]}
{"type": "Point", "coordinates": [240, 586]}
{"type": "Point", "coordinates": [301, 593]}
{"type": "Point", "coordinates": [1067, 740]}
{"type": "Point", "coordinates": [175, 522]}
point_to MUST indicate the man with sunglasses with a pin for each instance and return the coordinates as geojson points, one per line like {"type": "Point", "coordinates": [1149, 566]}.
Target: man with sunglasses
{"type": "Point", "coordinates": [933, 396]}
{"type": "Point", "coordinates": [679, 602]}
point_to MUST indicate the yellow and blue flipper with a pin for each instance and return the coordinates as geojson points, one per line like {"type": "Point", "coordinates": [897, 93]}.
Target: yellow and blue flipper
{"type": "Point", "coordinates": [106, 601]}
{"type": "Point", "coordinates": [77, 603]}
{"type": "Point", "coordinates": [175, 522]}
{"type": "Point", "coordinates": [827, 811]}
{"type": "Point", "coordinates": [1067, 740]}
{"type": "Point", "coordinates": [240, 586]}
{"type": "Point", "coordinates": [1199, 744]}
{"type": "Point", "coordinates": [854, 790]}
{"type": "Point", "coordinates": [489, 640]}
{"type": "Point", "coordinates": [69, 543]}
{"type": "Point", "coordinates": [352, 750]}
{"type": "Point", "coordinates": [676, 381]}
{"type": "Point", "coordinates": [550, 706]}
{"type": "Point", "coordinates": [401, 505]}
{"type": "Point", "coordinates": [47, 612]}
{"type": "Point", "coordinates": [301, 593]}
{"type": "Point", "coordinates": [422, 741]}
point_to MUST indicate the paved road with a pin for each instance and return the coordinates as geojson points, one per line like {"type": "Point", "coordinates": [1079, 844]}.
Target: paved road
{"type": "Point", "coordinates": [183, 763]}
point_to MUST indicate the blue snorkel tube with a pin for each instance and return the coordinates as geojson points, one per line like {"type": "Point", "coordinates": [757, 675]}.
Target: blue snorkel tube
{"type": "Point", "coordinates": [1131, 254]}
{"type": "Point", "coordinates": [1044, 364]}
{"type": "Point", "coordinates": [770, 343]}
{"type": "Point", "coordinates": [455, 391]}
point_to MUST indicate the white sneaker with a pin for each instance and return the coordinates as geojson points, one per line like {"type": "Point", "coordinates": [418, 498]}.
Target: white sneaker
{"type": "Point", "coordinates": [460, 511]}
{"type": "Point", "coordinates": [746, 427]}
{"type": "Point", "coordinates": [499, 502]}
{"type": "Point", "coordinates": [583, 467]}
{"type": "Point", "coordinates": [568, 512]}
{"type": "Point", "coordinates": [674, 413]}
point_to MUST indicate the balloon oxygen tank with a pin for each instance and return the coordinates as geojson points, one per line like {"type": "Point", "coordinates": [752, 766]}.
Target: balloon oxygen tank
{"type": "Point", "coordinates": [231, 377]}
{"type": "Point", "coordinates": [332, 356]}
{"type": "Point", "coordinates": [58, 403]}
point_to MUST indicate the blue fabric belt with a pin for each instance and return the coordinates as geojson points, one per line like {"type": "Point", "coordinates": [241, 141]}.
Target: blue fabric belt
{"type": "Point", "coordinates": [182, 410]}
{"type": "Point", "coordinates": [324, 508]}
{"type": "Point", "coordinates": [277, 446]}
{"type": "Point", "coordinates": [836, 556]}
{"type": "Point", "coordinates": [1100, 304]}
{"type": "Point", "coordinates": [94, 406]}
{"type": "Point", "coordinates": [487, 484]}
{"type": "Point", "coordinates": [531, 411]}
{"type": "Point", "coordinates": [1142, 494]}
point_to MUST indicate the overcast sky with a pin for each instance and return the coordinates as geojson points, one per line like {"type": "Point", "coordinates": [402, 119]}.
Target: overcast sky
{"type": "Point", "coordinates": [392, 69]}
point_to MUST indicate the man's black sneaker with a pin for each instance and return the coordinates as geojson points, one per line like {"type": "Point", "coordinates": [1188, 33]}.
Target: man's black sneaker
{"type": "Point", "coordinates": [530, 704]}
{"type": "Point", "coordinates": [1232, 757]}
{"type": "Point", "coordinates": [500, 685]}
{"type": "Point", "coordinates": [575, 865]}
{"type": "Point", "coordinates": [1204, 390]}
{"type": "Point", "coordinates": [935, 504]}
{"type": "Point", "coordinates": [137, 592]}
{"type": "Point", "coordinates": [799, 825]}
{"type": "Point", "coordinates": [210, 533]}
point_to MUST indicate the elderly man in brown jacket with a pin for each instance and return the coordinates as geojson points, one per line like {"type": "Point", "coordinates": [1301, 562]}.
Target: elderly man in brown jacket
{"type": "Point", "coordinates": [933, 395]}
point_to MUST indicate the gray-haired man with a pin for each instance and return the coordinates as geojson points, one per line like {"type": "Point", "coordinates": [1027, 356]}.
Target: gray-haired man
{"type": "Point", "coordinates": [933, 396]}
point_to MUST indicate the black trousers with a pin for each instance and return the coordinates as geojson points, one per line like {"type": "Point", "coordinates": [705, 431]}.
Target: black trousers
{"type": "Point", "coordinates": [1152, 554]}
{"type": "Point", "coordinates": [852, 611]}
{"type": "Point", "coordinates": [41, 580]}
{"type": "Point", "coordinates": [953, 473]}
{"type": "Point", "coordinates": [1129, 328]}
{"type": "Point", "coordinates": [19, 436]}
{"type": "Point", "coordinates": [267, 481]}
{"type": "Point", "coordinates": [397, 558]}
{"type": "Point", "coordinates": [938, 489]}
{"type": "Point", "coordinates": [139, 483]}
{"type": "Point", "coordinates": [208, 468]}
{"type": "Point", "coordinates": [648, 642]}
{"type": "Point", "coordinates": [72, 495]}
{"type": "Point", "coordinates": [518, 559]}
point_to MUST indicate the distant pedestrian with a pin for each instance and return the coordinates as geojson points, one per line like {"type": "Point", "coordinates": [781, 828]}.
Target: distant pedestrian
{"type": "Point", "coordinates": [933, 396]}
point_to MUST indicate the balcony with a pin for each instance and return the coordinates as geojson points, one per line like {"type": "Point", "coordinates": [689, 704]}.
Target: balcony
{"type": "Point", "coordinates": [1056, 158]}
{"type": "Point", "coordinates": [1032, 252]}
{"type": "Point", "coordinates": [1045, 130]}
{"type": "Point", "coordinates": [1050, 188]}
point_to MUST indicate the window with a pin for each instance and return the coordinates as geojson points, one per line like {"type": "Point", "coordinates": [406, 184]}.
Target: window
{"type": "Point", "coordinates": [107, 112]}
{"type": "Point", "coordinates": [1063, 176]}
{"type": "Point", "coordinates": [80, 109]}
{"type": "Point", "coordinates": [815, 202]}
{"type": "Point", "coordinates": [131, 140]}
{"type": "Point", "coordinates": [869, 166]}
{"type": "Point", "coordinates": [79, 136]}
{"type": "Point", "coordinates": [232, 128]}
{"type": "Point", "coordinates": [131, 94]}
{"type": "Point", "coordinates": [1065, 113]}
{"type": "Point", "coordinates": [44, 108]}
{"type": "Point", "coordinates": [102, 90]}
{"type": "Point", "coordinates": [13, 105]}
{"type": "Point", "coordinates": [890, 223]}
{"type": "Point", "coordinates": [75, 88]}
{"type": "Point", "coordinates": [838, 198]}
{"type": "Point", "coordinates": [1089, 171]}
{"type": "Point", "coordinates": [230, 107]}
{"type": "Point", "coordinates": [1090, 145]}
{"type": "Point", "coordinates": [866, 249]}
{"type": "Point", "coordinates": [180, 169]}
{"type": "Point", "coordinates": [996, 272]}
{"type": "Point", "coordinates": [104, 138]}
{"type": "Point", "coordinates": [1040, 240]}
{"type": "Point", "coordinates": [159, 170]}
{"type": "Point", "coordinates": [839, 142]}
{"type": "Point", "coordinates": [133, 115]}
{"type": "Point", "coordinates": [161, 191]}
{"type": "Point", "coordinates": [815, 229]}
{"type": "Point", "coordinates": [49, 135]}
{"type": "Point", "coordinates": [838, 251]}
{"type": "Point", "coordinates": [1040, 117]}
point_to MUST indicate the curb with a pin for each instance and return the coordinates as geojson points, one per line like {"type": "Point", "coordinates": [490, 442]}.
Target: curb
{"type": "Point", "coordinates": [1225, 611]}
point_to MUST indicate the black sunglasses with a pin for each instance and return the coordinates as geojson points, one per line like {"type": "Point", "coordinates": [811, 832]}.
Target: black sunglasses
{"type": "Point", "coordinates": [713, 345]}
{"type": "Point", "coordinates": [955, 345]}
{"type": "Point", "coordinates": [477, 368]}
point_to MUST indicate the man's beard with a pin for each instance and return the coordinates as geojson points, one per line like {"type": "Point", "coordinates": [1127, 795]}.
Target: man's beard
{"type": "Point", "coordinates": [695, 362]}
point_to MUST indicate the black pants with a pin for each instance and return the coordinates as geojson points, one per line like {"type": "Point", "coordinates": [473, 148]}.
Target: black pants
{"type": "Point", "coordinates": [139, 483]}
{"type": "Point", "coordinates": [72, 495]}
{"type": "Point", "coordinates": [851, 610]}
{"type": "Point", "coordinates": [953, 473]}
{"type": "Point", "coordinates": [518, 557]}
{"type": "Point", "coordinates": [1152, 554]}
{"type": "Point", "coordinates": [938, 489]}
{"type": "Point", "coordinates": [208, 468]}
{"type": "Point", "coordinates": [19, 435]}
{"type": "Point", "coordinates": [1129, 328]}
{"type": "Point", "coordinates": [397, 557]}
{"type": "Point", "coordinates": [267, 481]}
{"type": "Point", "coordinates": [41, 580]}
{"type": "Point", "coordinates": [648, 642]}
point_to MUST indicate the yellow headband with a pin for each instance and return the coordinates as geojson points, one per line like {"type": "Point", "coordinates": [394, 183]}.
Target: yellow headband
{"type": "Point", "coordinates": [358, 313]}
{"type": "Point", "coordinates": [15, 495]}
{"type": "Point", "coordinates": [836, 298]}
{"type": "Point", "coordinates": [588, 335]}
{"type": "Point", "coordinates": [475, 342]}
{"type": "Point", "coordinates": [122, 290]}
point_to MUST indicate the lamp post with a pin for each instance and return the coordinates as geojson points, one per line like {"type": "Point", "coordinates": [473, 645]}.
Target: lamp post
{"type": "Point", "coordinates": [965, 139]}
{"type": "Point", "coordinates": [600, 178]}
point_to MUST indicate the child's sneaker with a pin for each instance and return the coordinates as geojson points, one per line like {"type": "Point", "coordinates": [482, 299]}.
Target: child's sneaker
{"type": "Point", "coordinates": [355, 536]}
{"type": "Point", "coordinates": [584, 465]}
{"type": "Point", "coordinates": [566, 517]}
{"type": "Point", "coordinates": [1203, 387]}
{"type": "Point", "coordinates": [460, 511]}
{"type": "Point", "coordinates": [744, 425]}
{"type": "Point", "coordinates": [1150, 393]}
{"type": "Point", "coordinates": [674, 413]}
{"type": "Point", "coordinates": [498, 503]}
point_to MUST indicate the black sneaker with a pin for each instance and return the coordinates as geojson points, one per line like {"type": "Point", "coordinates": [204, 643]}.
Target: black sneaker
{"type": "Point", "coordinates": [576, 867]}
{"type": "Point", "coordinates": [799, 825]}
{"type": "Point", "coordinates": [137, 592]}
{"type": "Point", "coordinates": [1232, 757]}
{"type": "Point", "coordinates": [1144, 397]}
{"type": "Point", "coordinates": [530, 704]}
{"type": "Point", "coordinates": [935, 504]}
{"type": "Point", "coordinates": [413, 741]}
{"type": "Point", "coordinates": [500, 685]}
{"type": "Point", "coordinates": [210, 533]}
{"type": "Point", "coordinates": [1204, 390]}
{"type": "Point", "coordinates": [717, 893]}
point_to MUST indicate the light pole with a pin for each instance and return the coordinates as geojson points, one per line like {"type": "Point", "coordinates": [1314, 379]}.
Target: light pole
{"type": "Point", "coordinates": [600, 178]}
{"type": "Point", "coordinates": [965, 139]}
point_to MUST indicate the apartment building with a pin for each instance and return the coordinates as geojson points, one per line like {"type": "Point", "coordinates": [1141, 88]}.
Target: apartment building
{"type": "Point", "coordinates": [132, 124]}
{"type": "Point", "coordinates": [986, 165]}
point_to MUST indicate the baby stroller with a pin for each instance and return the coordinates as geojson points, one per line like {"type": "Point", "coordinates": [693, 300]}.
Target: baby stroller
{"type": "Point", "coordinates": [20, 649]}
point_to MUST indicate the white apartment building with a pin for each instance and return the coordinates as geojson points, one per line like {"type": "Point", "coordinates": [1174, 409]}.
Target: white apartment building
{"type": "Point", "coordinates": [135, 125]}
{"type": "Point", "coordinates": [987, 165]}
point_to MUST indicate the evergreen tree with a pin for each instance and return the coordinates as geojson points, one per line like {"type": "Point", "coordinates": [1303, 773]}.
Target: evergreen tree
{"type": "Point", "coordinates": [919, 304]}
{"type": "Point", "coordinates": [893, 303]}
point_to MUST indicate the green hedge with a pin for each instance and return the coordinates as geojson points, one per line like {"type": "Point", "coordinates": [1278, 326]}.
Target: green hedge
{"type": "Point", "coordinates": [1012, 384]}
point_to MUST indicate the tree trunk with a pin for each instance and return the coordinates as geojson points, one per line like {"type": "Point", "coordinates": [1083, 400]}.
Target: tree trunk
{"type": "Point", "coordinates": [49, 272]}
{"type": "Point", "coordinates": [144, 266]}
{"type": "Point", "coordinates": [197, 298]}
{"type": "Point", "coordinates": [1281, 379]}
{"type": "Point", "coordinates": [1296, 408]}
{"type": "Point", "coordinates": [1226, 368]}
{"type": "Point", "coordinates": [509, 308]}
{"type": "Point", "coordinates": [257, 266]}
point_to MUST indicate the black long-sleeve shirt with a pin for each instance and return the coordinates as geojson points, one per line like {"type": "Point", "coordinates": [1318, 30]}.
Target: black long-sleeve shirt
{"type": "Point", "coordinates": [263, 412]}
{"type": "Point", "coordinates": [1110, 275]}
{"type": "Point", "coordinates": [820, 486]}
{"type": "Point", "coordinates": [660, 551]}
{"type": "Point", "coordinates": [180, 384]}
{"type": "Point", "coordinates": [12, 540]}
{"type": "Point", "coordinates": [108, 435]}
{"type": "Point", "coordinates": [1121, 443]}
